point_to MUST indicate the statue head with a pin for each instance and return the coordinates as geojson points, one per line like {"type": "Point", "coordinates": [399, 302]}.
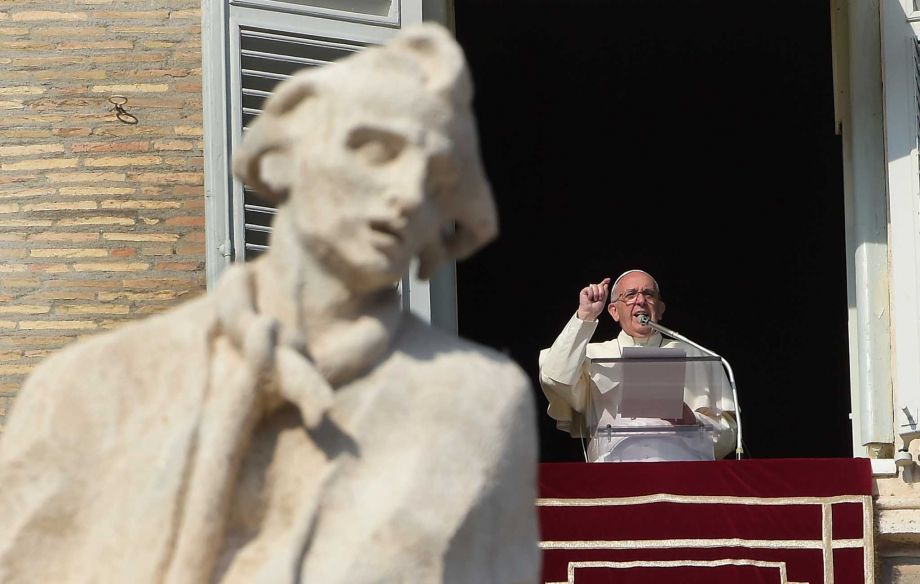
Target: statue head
{"type": "Point", "coordinates": [375, 160]}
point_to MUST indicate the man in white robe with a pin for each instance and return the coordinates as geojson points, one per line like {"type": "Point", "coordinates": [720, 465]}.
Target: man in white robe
{"type": "Point", "coordinates": [584, 392]}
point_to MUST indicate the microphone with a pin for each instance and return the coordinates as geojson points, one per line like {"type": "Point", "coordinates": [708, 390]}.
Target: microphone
{"type": "Point", "coordinates": [644, 320]}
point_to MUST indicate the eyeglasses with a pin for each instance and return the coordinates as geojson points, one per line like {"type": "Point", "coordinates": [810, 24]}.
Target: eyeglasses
{"type": "Point", "coordinates": [631, 296]}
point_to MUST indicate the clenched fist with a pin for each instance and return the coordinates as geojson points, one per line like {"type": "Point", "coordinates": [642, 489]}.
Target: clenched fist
{"type": "Point", "coordinates": [592, 299]}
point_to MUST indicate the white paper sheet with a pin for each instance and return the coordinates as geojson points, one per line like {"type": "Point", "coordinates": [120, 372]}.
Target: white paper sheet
{"type": "Point", "coordinates": [653, 384]}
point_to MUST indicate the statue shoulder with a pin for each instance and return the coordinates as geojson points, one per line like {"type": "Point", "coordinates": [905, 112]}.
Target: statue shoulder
{"type": "Point", "coordinates": [445, 349]}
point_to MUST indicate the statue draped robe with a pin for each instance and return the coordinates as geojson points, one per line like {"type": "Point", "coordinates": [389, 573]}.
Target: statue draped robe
{"type": "Point", "coordinates": [201, 445]}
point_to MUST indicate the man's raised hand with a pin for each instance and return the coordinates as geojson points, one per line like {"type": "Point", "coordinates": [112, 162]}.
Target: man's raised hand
{"type": "Point", "coordinates": [592, 299]}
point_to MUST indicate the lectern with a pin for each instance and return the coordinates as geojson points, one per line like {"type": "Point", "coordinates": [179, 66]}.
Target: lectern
{"type": "Point", "coordinates": [643, 411]}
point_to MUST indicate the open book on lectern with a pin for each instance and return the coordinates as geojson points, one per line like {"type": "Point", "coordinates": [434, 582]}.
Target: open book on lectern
{"type": "Point", "coordinates": [653, 382]}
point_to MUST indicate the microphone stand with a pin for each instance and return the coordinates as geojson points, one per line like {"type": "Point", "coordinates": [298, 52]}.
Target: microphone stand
{"type": "Point", "coordinates": [731, 376]}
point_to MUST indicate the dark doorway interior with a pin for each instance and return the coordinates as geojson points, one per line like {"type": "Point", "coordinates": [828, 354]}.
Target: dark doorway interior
{"type": "Point", "coordinates": [694, 139]}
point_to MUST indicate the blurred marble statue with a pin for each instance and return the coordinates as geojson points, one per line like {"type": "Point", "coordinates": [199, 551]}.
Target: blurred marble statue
{"type": "Point", "coordinates": [295, 425]}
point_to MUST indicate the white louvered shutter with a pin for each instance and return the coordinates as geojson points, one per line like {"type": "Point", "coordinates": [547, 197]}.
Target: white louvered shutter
{"type": "Point", "coordinates": [249, 46]}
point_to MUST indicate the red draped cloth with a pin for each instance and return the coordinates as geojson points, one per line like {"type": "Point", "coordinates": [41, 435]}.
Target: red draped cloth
{"type": "Point", "coordinates": [750, 521]}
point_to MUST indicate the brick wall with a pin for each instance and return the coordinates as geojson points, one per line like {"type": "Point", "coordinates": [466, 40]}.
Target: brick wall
{"type": "Point", "coordinates": [100, 221]}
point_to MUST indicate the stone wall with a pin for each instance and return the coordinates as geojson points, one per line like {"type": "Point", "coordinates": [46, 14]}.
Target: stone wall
{"type": "Point", "coordinates": [100, 221]}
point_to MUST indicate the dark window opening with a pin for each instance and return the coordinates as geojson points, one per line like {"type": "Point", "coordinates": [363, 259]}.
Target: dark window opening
{"type": "Point", "coordinates": [692, 139]}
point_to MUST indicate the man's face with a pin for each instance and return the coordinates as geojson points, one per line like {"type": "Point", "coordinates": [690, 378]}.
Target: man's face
{"type": "Point", "coordinates": [630, 301]}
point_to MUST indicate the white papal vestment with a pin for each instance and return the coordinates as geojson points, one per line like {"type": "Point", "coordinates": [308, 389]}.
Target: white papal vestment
{"type": "Point", "coordinates": [583, 392]}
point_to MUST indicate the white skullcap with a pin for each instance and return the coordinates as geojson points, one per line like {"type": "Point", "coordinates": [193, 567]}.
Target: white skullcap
{"type": "Point", "coordinates": [626, 273]}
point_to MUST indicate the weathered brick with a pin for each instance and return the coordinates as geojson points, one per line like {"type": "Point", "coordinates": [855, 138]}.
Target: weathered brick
{"type": "Point", "coordinates": [48, 268]}
{"type": "Point", "coordinates": [27, 133]}
{"type": "Point", "coordinates": [195, 249]}
{"type": "Point", "coordinates": [123, 252]}
{"type": "Point", "coordinates": [44, 15]}
{"type": "Point", "coordinates": [16, 369]}
{"type": "Point", "coordinates": [177, 266]}
{"type": "Point", "coordinates": [70, 75]}
{"type": "Point", "coordinates": [193, 14]}
{"type": "Point", "coordinates": [77, 221]}
{"type": "Point", "coordinates": [174, 31]}
{"type": "Point", "coordinates": [84, 177]}
{"type": "Point", "coordinates": [154, 15]}
{"type": "Point", "coordinates": [123, 161]}
{"type": "Point", "coordinates": [22, 193]}
{"type": "Point", "coordinates": [48, 62]}
{"type": "Point", "coordinates": [112, 267]}
{"type": "Point", "coordinates": [94, 191]}
{"type": "Point", "coordinates": [189, 131]}
{"type": "Point", "coordinates": [40, 164]}
{"type": "Point", "coordinates": [68, 237]}
{"type": "Point", "coordinates": [139, 296]}
{"type": "Point", "coordinates": [69, 253]}
{"type": "Point", "coordinates": [25, 223]}
{"type": "Point", "coordinates": [173, 145]}
{"type": "Point", "coordinates": [188, 87]}
{"type": "Point", "coordinates": [71, 132]}
{"type": "Point", "coordinates": [81, 284]}
{"type": "Point", "coordinates": [25, 45]}
{"type": "Point", "coordinates": [139, 204]}
{"type": "Point", "coordinates": [40, 325]}
{"type": "Point", "coordinates": [70, 206]}
{"type": "Point", "coordinates": [141, 237]}
{"type": "Point", "coordinates": [122, 130]}
{"type": "Point", "coordinates": [137, 57]}
{"type": "Point", "coordinates": [55, 76]}
{"type": "Point", "coordinates": [193, 236]}
{"type": "Point", "coordinates": [157, 73]}
{"type": "Point", "coordinates": [30, 149]}
{"type": "Point", "coordinates": [13, 268]}
{"type": "Point", "coordinates": [26, 342]}
{"type": "Point", "coordinates": [131, 88]}
{"type": "Point", "coordinates": [137, 146]}
{"type": "Point", "coordinates": [22, 90]}
{"type": "Point", "coordinates": [74, 31]}
{"type": "Point", "coordinates": [80, 309]}
{"type": "Point", "coordinates": [157, 250]}
{"type": "Point", "coordinates": [52, 295]}
{"type": "Point", "coordinates": [96, 45]}
{"type": "Point", "coordinates": [16, 180]}
{"type": "Point", "coordinates": [170, 177]}
{"type": "Point", "coordinates": [20, 283]}
{"type": "Point", "coordinates": [171, 282]}
{"type": "Point", "coordinates": [23, 309]}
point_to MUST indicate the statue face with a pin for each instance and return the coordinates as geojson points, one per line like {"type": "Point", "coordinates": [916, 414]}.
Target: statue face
{"type": "Point", "coordinates": [377, 161]}
{"type": "Point", "coordinates": [379, 188]}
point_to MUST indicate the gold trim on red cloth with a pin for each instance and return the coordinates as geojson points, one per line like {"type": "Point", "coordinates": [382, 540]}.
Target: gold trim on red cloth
{"type": "Point", "coordinates": [826, 544]}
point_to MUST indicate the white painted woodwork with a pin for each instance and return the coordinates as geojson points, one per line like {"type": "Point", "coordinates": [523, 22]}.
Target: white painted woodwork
{"type": "Point", "coordinates": [899, 69]}
{"type": "Point", "coordinates": [860, 115]}
{"type": "Point", "coordinates": [354, 23]}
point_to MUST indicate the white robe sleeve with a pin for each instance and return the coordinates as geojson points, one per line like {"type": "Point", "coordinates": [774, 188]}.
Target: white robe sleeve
{"type": "Point", "coordinates": [565, 376]}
